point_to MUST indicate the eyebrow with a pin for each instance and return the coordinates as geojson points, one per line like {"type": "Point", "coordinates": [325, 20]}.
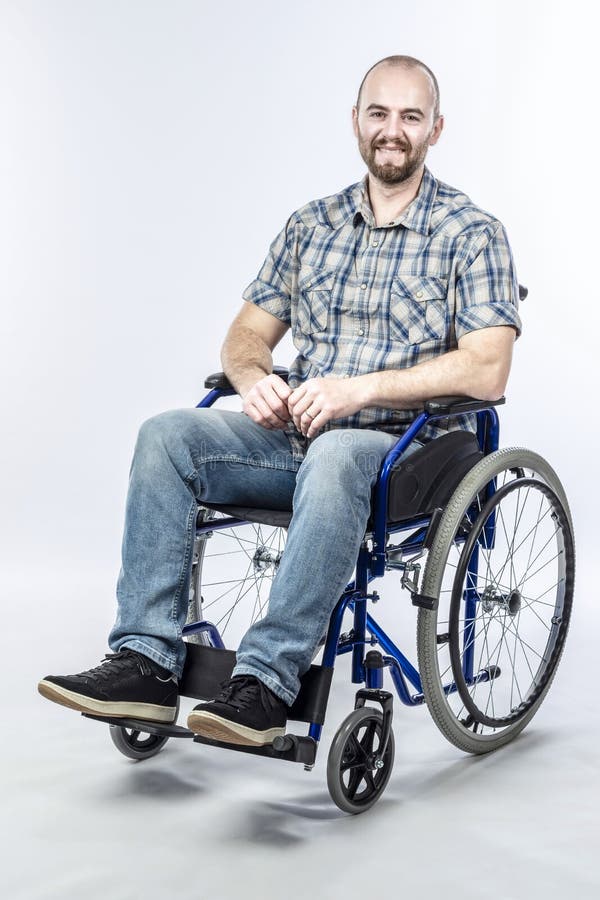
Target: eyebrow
{"type": "Point", "coordinates": [385, 108]}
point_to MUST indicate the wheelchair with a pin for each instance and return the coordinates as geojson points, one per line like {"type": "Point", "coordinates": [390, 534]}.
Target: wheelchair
{"type": "Point", "coordinates": [481, 541]}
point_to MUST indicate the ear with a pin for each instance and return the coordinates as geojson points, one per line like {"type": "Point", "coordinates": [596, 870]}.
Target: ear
{"type": "Point", "coordinates": [355, 121]}
{"type": "Point", "coordinates": [437, 130]}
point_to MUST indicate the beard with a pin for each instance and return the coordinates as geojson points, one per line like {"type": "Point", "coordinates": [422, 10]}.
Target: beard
{"type": "Point", "coordinates": [388, 172]}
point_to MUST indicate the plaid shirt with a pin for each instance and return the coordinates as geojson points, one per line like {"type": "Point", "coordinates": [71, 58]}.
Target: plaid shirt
{"type": "Point", "coordinates": [363, 298]}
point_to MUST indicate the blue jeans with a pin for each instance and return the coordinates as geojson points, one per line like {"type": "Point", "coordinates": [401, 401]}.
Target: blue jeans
{"type": "Point", "coordinates": [186, 456]}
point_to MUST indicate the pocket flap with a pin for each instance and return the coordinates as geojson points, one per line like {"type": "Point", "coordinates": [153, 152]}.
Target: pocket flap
{"type": "Point", "coordinates": [316, 280]}
{"type": "Point", "coordinates": [421, 287]}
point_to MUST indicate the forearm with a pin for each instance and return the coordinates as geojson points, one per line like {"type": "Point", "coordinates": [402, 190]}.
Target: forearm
{"type": "Point", "coordinates": [245, 358]}
{"type": "Point", "coordinates": [457, 372]}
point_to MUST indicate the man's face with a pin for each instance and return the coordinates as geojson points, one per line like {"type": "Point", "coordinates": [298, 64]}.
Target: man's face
{"type": "Point", "coordinates": [395, 123]}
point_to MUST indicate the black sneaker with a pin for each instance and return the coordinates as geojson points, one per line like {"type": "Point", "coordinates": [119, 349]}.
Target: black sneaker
{"type": "Point", "coordinates": [245, 712]}
{"type": "Point", "coordinates": [126, 684]}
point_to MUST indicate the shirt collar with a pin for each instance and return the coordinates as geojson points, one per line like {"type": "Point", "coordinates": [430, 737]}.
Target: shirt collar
{"type": "Point", "coordinates": [416, 216]}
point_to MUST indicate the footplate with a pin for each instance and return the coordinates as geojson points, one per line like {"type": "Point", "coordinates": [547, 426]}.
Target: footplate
{"type": "Point", "coordinates": [291, 747]}
{"type": "Point", "coordinates": [162, 728]}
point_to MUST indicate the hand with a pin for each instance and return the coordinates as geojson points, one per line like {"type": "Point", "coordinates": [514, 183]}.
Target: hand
{"type": "Point", "coordinates": [319, 400]}
{"type": "Point", "coordinates": [266, 402]}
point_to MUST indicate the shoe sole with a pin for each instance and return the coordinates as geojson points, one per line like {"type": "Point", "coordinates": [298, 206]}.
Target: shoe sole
{"type": "Point", "coordinates": [117, 709]}
{"type": "Point", "coordinates": [217, 729]}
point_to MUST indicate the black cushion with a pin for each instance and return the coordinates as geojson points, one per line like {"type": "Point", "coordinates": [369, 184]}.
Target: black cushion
{"type": "Point", "coordinates": [428, 477]}
{"type": "Point", "coordinates": [279, 517]}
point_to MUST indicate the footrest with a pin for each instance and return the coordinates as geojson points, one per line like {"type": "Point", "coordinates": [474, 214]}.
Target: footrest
{"type": "Point", "coordinates": [207, 667]}
{"type": "Point", "coordinates": [293, 748]}
{"type": "Point", "coordinates": [165, 729]}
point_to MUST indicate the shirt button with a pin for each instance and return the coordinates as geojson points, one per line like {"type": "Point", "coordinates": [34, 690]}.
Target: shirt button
{"type": "Point", "coordinates": [375, 244]}
{"type": "Point", "coordinates": [309, 284]}
{"type": "Point", "coordinates": [361, 330]}
{"type": "Point", "coordinates": [419, 294]}
{"type": "Point", "coordinates": [363, 287]}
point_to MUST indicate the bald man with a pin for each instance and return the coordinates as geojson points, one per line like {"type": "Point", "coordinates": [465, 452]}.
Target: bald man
{"type": "Point", "coordinates": [396, 290]}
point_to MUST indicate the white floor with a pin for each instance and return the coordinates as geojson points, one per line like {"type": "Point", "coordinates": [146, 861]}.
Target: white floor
{"type": "Point", "coordinates": [82, 822]}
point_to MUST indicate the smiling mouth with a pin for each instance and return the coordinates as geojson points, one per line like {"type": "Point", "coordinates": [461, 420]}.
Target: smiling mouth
{"type": "Point", "coordinates": [391, 149]}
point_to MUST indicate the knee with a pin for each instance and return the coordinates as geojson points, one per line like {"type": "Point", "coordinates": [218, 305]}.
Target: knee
{"type": "Point", "coordinates": [341, 454]}
{"type": "Point", "coordinates": [163, 436]}
{"type": "Point", "coordinates": [335, 460]}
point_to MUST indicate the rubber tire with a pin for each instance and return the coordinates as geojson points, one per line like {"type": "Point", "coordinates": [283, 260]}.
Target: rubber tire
{"type": "Point", "coordinates": [472, 483]}
{"type": "Point", "coordinates": [122, 741]}
{"type": "Point", "coordinates": [351, 723]}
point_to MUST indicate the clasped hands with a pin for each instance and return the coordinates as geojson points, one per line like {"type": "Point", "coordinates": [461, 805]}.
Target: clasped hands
{"type": "Point", "coordinates": [271, 402]}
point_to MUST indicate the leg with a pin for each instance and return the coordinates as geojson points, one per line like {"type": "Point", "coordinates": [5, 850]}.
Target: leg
{"type": "Point", "coordinates": [180, 457]}
{"type": "Point", "coordinates": [331, 507]}
{"type": "Point", "coordinates": [183, 457]}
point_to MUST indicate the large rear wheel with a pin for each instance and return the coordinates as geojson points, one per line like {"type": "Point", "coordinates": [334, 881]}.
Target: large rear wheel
{"type": "Point", "coordinates": [232, 573]}
{"type": "Point", "coordinates": [501, 567]}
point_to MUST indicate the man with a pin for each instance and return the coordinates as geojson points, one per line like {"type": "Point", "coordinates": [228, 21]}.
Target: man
{"type": "Point", "coordinates": [397, 289]}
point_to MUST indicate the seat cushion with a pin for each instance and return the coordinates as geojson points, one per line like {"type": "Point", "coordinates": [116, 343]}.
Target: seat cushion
{"type": "Point", "coordinates": [278, 517]}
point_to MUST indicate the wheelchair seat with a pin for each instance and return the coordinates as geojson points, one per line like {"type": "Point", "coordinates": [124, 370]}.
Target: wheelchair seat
{"type": "Point", "coordinates": [418, 483]}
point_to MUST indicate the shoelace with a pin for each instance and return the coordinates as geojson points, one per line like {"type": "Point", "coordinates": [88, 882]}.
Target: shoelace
{"type": "Point", "coordinates": [243, 692]}
{"type": "Point", "coordinates": [119, 662]}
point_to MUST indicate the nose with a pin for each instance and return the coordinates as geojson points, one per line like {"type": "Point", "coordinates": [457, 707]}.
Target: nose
{"type": "Point", "coordinates": [394, 127]}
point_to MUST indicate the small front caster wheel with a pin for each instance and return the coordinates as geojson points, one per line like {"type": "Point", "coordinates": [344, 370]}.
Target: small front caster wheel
{"type": "Point", "coordinates": [356, 773]}
{"type": "Point", "coordinates": [136, 744]}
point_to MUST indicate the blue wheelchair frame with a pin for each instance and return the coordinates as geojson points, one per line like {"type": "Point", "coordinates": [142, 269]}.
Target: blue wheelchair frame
{"type": "Point", "coordinates": [371, 565]}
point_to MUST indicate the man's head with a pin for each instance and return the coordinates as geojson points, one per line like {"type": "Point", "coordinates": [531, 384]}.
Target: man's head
{"type": "Point", "coordinates": [397, 117]}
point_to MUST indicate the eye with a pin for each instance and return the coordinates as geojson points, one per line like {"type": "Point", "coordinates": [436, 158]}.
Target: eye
{"type": "Point", "coordinates": [375, 113]}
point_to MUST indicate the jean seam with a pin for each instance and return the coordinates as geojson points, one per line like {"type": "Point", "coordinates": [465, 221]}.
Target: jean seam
{"type": "Point", "coordinates": [184, 567]}
{"type": "Point", "coordinates": [235, 458]}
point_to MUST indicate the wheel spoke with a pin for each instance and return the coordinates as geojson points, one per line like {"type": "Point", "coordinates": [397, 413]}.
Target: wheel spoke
{"type": "Point", "coordinates": [516, 574]}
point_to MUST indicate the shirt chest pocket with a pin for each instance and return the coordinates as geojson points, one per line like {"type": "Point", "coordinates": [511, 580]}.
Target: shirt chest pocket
{"type": "Point", "coordinates": [418, 308]}
{"type": "Point", "coordinates": [314, 299]}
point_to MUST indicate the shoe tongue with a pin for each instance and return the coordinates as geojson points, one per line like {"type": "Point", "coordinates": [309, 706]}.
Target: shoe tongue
{"type": "Point", "coordinates": [239, 686]}
{"type": "Point", "coordinates": [128, 655]}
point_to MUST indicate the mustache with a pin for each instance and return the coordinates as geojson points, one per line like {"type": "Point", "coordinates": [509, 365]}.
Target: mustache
{"type": "Point", "coordinates": [394, 145]}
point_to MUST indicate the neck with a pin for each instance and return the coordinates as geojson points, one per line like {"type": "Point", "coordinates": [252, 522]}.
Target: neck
{"type": "Point", "coordinates": [388, 201]}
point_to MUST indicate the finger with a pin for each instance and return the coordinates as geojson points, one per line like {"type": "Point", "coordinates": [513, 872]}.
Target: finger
{"type": "Point", "coordinates": [265, 391]}
{"type": "Point", "coordinates": [265, 413]}
{"type": "Point", "coordinates": [276, 405]}
{"type": "Point", "coordinates": [253, 413]}
{"type": "Point", "coordinates": [301, 417]}
{"type": "Point", "coordinates": [263, 399]}
{"type": "Point", "coordinates": [281, 388]}
{"type": "Point", "coordinates": [296, 395]}
{"type": "Point", "coordinates": [316, 424]}
{"type": "Point", "coordinates": [303, 404]}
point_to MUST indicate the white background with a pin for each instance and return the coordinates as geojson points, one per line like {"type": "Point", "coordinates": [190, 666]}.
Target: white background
{"type": "Point", "coordinates": [149, 152]}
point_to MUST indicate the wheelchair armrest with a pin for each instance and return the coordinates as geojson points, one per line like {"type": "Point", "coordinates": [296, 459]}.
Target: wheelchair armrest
{"type": "Point", "coordinates": [447, 406]}
{"type": "Point", "coordinates": [219, 380]}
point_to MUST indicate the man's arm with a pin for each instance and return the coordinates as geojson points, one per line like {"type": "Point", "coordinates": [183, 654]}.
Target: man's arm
{"type": "Point", "coordinates": [479, 369]}
{"type": "Point", "coordinates": [247, 361]}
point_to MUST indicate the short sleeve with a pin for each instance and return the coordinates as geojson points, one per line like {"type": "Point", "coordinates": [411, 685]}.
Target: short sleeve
{"type": "Point", "coordinates": [272, 287]}
{"type": "Point", "coordinates": [487, 291]}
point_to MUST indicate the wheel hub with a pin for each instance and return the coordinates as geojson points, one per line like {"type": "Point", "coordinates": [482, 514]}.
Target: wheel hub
{"type": "Point", "coordinates": [493, 598]}
{"type": "Point", "coordinates": [265, 559]}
